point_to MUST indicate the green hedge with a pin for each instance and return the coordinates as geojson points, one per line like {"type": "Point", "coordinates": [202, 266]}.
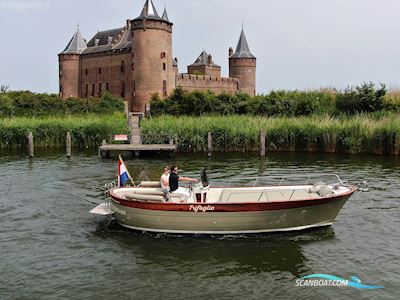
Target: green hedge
{"type": "Point", "coordinates": [354, 100]}
{"type": "Point", "coordinates": [37, 105]}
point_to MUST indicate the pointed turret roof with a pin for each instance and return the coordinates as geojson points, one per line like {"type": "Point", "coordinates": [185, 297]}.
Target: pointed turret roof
{"type": "Point", "coordinates": [242, 49]}
{"type": "Point", "coordinates": [76, 45]}
{"type": "Point", "coordinates": [202, 60]}
{"type": "Point", "coordinates": [165, 14]}
{"type": "Point", "coordinates": [149, 11]}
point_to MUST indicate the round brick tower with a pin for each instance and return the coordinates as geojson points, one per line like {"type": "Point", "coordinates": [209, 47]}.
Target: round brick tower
{"type": "Point", "coordinates": [152, 62]}
{"type": "Point", "coordinates": [242, 65]}
{"type": "Point", "coordinates": [69, 66]}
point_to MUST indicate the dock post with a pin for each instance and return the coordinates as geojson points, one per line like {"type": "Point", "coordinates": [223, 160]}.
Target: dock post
{"type": "Point", "coordinates": [209, 146]}
{"type": "Point", "coordinates": [30, 145]}
{"type": "Point", "coordinates": [103, 153]}
{"type": "Point", "coordinates": [262, 143]}
{"type": "Point", "coordinates": [68, 144]}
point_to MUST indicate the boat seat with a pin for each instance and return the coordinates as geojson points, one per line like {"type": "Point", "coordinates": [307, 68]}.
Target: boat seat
{"type": "Point", "coordinates": [143, 197]}
{"type": "Point", "coordinates": [150, 184]}
{"type": "Point", "coordinates": [148, 191]}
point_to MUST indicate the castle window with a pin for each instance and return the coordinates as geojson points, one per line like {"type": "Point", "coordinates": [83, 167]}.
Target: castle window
{"type": "Point", "coordinates": [134, 86]}
{"type": "Point", "coordinates": [60, 71]}
{"type": "Point", "coordinates": [107, 87]}
{"type": "Point", "coordinates": [86, 71]}
{"type": "Point", "coordinates": [123, 90]}
{"type": "Point", "coordinates": [165, 88]}
{"type": "Point", "coordinates": [123, 66]}
{"type": "Point", "coordinates": [99, 89]}
{"type": "Point", "coordinates": [86, 90]}
{"type": "Point", "coordinates": [99, 70]}
{"type": "Point", "coordinates": [60, 89]}
{"type": "Point", "coordinates": [93, 90]}
{"type": "Point", "coordinates": [163, 55]}
{"type": "Point", "coordinates": [164, 66]}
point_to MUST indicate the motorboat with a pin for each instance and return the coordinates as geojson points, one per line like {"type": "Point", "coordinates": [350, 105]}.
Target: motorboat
{"type": "Point", "coordinates": [243, 206]}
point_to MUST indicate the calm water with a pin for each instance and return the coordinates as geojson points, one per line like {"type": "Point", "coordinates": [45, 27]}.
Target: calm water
{"type": "Point", "coordinates": [51, 248]}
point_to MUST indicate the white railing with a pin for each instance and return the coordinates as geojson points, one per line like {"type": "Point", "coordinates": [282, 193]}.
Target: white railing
{"type": "Point", "coordinates": [280, 180]}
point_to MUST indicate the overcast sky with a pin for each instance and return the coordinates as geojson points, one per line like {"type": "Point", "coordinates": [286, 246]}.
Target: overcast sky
{"type": "Point", "coordinates": [299, 44]}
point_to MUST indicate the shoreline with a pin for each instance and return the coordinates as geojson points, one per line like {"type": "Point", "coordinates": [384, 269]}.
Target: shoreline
{"type": "Point", "coordinates": [362, 134]}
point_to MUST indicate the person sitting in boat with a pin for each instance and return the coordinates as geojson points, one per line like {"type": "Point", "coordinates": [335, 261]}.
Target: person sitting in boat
{"type": "Point", "coordinates": [164, 180]}
{"type": "Point", "coordinates": [174, 179]}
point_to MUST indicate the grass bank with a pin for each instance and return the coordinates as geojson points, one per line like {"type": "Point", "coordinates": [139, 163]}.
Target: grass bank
{"type": "Point", "coordinates": [87, 130]}
{"type": "Point", "coordinates": [357, 134]}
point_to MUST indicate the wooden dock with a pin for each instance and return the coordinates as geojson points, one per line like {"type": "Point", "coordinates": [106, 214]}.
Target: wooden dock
{"type": "Point", "coordinates": [137, 143]}
{"type": "Point", "coordinates": [131, 147]}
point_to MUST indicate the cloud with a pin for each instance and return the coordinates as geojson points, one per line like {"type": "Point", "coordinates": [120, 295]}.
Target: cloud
{"type": "Point", "coordinates": [19, 5]}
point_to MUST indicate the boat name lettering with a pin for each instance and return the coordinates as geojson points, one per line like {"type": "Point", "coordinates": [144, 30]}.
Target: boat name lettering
{"type": "Point", "coordinates": [201, 208]}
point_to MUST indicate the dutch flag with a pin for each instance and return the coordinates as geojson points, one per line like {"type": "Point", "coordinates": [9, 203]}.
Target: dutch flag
{"type": "Point", "coordinates": [123, 173]}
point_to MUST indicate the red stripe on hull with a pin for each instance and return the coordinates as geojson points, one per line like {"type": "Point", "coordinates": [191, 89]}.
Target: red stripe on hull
{"type": "Point", "coordinates": [229, 207]}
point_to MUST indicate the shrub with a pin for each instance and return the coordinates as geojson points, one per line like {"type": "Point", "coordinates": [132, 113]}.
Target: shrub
{"type": "Point", "coordinates": [277, 103]}
{"type": "Point", "coordinates": [364, 98]}
{"type": "Point", "coordinates": [6, 106]}
{"type": "Point", "coordinates": [25, 103]}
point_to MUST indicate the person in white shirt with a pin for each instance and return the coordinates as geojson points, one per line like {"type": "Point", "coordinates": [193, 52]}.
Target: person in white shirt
{"type": "Point", "coordinates": [164, 180]}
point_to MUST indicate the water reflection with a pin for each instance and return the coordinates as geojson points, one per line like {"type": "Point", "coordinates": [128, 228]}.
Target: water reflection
{"type": "Point", "coordinates": [228, 255]}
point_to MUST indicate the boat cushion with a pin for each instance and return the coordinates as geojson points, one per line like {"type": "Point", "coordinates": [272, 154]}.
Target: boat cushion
{"type": "Point", "coordinates": [152, 198]}
{"type": "Point", "coordinates": [150, 184]}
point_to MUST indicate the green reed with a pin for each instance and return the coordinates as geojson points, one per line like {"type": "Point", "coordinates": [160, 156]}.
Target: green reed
{"type": "Point", "coordinates": [359, 134]}
{"type": "Point", "coordinates": [87, 131]}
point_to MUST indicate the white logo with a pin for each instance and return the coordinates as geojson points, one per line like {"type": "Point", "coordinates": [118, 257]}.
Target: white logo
{"type": "Point", "coordinates": [201, 208]}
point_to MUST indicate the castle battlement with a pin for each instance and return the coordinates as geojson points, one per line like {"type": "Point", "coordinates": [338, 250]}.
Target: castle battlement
{"type": "Point", "coordinates": [208, 78]}
{"type": "Point", "coordinates": [216, 84]}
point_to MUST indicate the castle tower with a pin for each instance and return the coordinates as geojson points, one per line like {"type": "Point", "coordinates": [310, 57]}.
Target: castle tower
{"type": "Point", "coordinates": [69, 70]}
{"type": "Point", "coordinates": [242, 65]}
{"type": "Point", "coordinates": [204, 65]}
{"type": "Point", "coordinates": [152, 62]}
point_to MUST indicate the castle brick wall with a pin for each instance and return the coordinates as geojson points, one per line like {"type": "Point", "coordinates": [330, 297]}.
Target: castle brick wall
{"type": "Point", "coordinates": [204, 83]}
{"type": "Point", "coordinates": [106, 71]}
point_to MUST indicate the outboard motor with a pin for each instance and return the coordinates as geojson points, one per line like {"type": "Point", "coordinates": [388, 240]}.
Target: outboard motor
{"type": "Point", "coordinates": [204, 178]}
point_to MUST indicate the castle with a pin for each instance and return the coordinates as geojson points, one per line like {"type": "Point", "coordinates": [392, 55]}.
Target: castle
{"type": "Point", "coordinates": [135, 61]}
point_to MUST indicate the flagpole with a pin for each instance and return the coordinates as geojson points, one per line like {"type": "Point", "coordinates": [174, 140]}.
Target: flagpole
{"type": "Point", "coordinates": [130, 177]}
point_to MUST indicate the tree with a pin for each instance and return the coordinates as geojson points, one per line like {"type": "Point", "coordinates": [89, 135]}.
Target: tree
{"type": "Point", "coordinates": [4, 88]}
{"type": "Point", "coordinates": [364, 98]}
